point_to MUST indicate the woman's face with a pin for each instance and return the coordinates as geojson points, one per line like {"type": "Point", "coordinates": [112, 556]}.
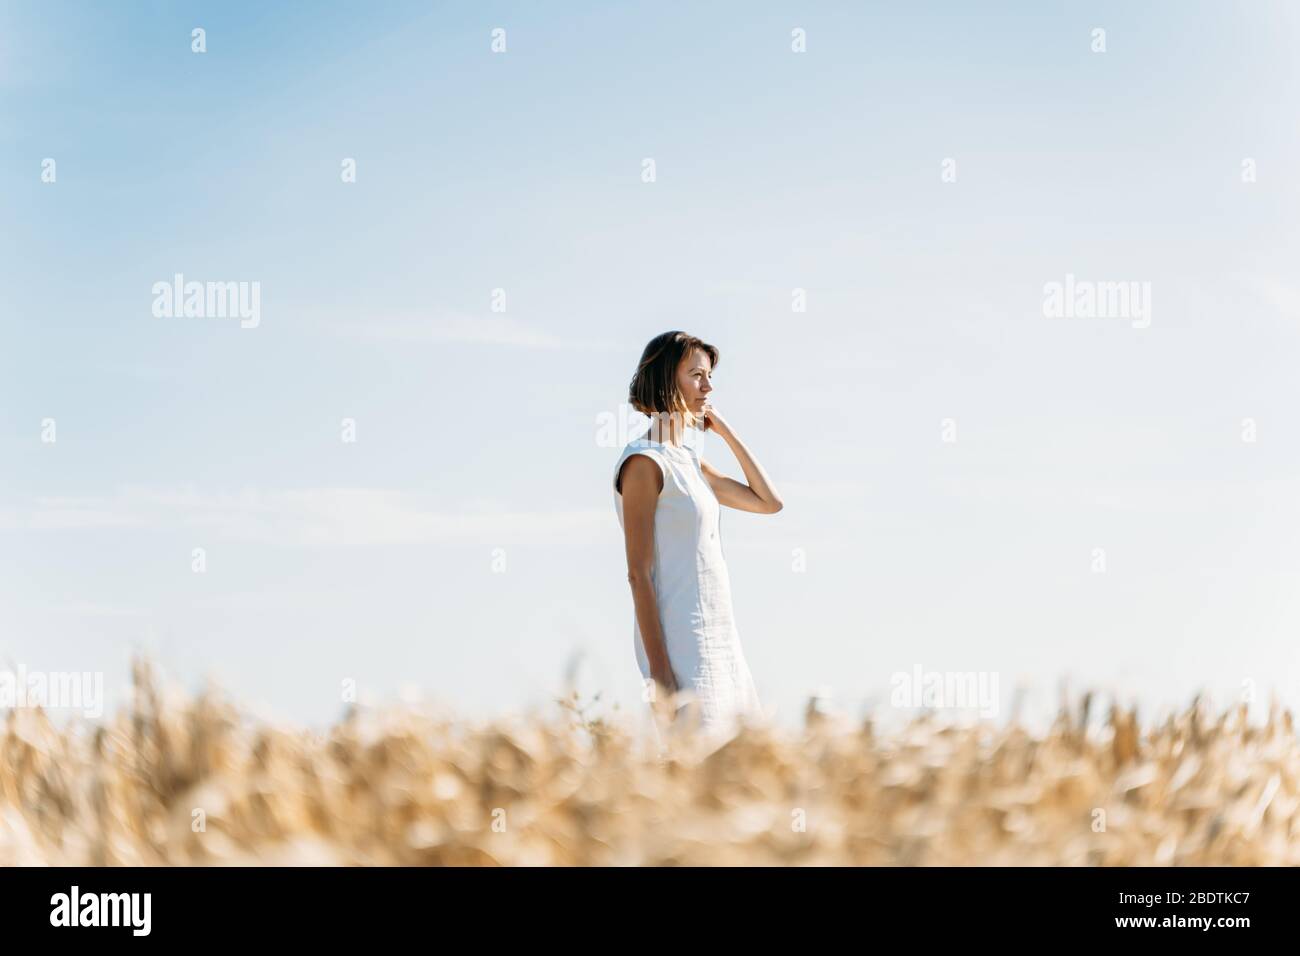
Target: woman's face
{"type": "Point", "coordinates": [693, 380]}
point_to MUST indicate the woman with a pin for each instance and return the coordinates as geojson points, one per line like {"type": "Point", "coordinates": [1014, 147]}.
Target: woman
{"type": "Point", "coordinates": [668, 502]}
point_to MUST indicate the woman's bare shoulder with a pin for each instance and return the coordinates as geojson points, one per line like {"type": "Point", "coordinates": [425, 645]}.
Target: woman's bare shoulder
{"type": "Point", "coordinates": [641, 469]}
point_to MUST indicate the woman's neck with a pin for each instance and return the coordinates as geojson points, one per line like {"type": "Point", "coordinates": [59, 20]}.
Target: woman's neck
{"type": "Point", "coordinates": [671, 433]}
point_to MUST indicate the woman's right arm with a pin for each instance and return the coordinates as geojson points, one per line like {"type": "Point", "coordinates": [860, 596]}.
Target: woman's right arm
{"type": "Point", "coordinates": [641, 484]}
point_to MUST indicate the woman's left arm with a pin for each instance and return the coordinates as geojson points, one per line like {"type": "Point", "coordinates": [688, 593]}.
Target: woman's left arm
{"type": "Point", "coordinates": [757, 497]}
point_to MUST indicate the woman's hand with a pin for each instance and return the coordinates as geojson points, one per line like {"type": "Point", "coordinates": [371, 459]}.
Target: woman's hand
{"type": "Point", "coordinates": [665, 680]}
{"type": "Point", "coordinates": [663, 688]}
{"type": "Point", "coordinates": [714, 422]}
{"type": "Point", "coordinates": [758, 496]}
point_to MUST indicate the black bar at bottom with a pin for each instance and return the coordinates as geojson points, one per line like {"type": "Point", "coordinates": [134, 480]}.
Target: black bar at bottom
{"type": "Point", "coordinates": [336, 905]}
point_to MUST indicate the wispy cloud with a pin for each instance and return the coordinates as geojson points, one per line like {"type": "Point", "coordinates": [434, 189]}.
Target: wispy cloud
{"type": "Point", "coordinates": [458, 327]}
{"type": "Point", "coordinates": [1283, 298]}
{"type": "Point", "coordinates": [79, 608]}
{"type": "Point", "coordinates": [297, 517]}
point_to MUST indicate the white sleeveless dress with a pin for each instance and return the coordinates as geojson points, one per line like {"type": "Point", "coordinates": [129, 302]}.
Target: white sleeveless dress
{"type": "Point", "coordinates": [693, 591]}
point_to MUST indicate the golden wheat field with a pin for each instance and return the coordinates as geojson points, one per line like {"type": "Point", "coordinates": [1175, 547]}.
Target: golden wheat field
{"type": "Point", "coordinates": [192, 781]}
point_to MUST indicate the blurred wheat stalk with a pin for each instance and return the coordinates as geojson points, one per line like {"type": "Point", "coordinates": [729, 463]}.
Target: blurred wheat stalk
{"type": "Point", "coordinates": [192, 782]}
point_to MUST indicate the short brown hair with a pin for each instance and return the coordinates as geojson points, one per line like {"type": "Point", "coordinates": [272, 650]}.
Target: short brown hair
{"type": "Point", "coordinates": [654, 386]}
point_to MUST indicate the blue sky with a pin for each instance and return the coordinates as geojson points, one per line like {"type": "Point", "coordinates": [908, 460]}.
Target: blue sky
{"type": "Point", "coordinates": [476, 429]}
